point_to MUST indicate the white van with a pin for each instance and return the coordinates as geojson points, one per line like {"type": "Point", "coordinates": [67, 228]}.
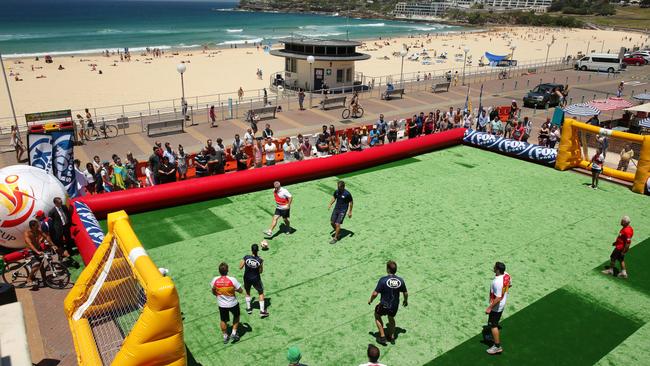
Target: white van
{"type": "Point", "coordinates": [607, 62]}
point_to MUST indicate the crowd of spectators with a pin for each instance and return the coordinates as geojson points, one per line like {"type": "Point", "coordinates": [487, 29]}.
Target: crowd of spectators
{"type": "Point", "coordinates": [254, 150]}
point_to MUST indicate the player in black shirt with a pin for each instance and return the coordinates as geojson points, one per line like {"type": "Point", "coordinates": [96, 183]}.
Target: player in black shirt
{"type": "Point", "coordinates": [343, 206]}
{"type": "Point", "coordinates": [254, 266]}
{"type": "Point", "coordinates": [389, 287]}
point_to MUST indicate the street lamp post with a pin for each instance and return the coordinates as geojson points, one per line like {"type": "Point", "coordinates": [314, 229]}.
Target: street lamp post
{"type": "Point", "coordinates": [310, 60]}
{"type": "Point", "coordinates": [466, 50]}
{"type": "Point", "coordinates": [548, 48]}
{"type": "Point", "coordinates": [11, 101]}
{"type": "Point", "coordinates": [181, 68]}
{"type": "Point", "coordinates": [402, 53]}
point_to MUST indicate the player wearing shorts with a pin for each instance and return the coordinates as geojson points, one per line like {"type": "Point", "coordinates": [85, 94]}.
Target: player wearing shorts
{"type": "Point", "coordinates": [254, 266]}
{"type": "Point", "coordinates": [224, 288]}
{"type": "Point", "coordinates": [389, 287]}
{"type": "Point", "coordinates": [343, 206]}
{"type": "Point", "coordinates": [35, 241]}
{"type": "Point", "coordinates": [283, 201]}
{"type": "Point", "coordinates": [621, 246]}
{"type": "Point", "coordinates": [498, 296]}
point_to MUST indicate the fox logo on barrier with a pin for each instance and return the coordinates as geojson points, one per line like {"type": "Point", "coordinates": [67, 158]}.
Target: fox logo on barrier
{"type": "Point", "coordinates": [522, 149]}
{"type": "Point", "coordinates": [90, 223]}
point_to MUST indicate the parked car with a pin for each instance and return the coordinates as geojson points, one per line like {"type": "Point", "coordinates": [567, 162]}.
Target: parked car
{"type": "Point", "coordinates": [543, 95]}
{"type": "Point", "coordinates": [644, 54]}
{"type": "Point", "coordinates": [634, 60]}
{"type": "Point", "coordinates": [600, 62]}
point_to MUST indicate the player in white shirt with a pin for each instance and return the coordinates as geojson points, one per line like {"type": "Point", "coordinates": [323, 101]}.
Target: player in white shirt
{"type": "Point", "coordinates": [270, 149]}
{"type": "Point", "coordinates": [373, 356]}
{"type": "Point", "coordinates": [283, 200]}
{"type": "Point", "coordinates": [498, 297]}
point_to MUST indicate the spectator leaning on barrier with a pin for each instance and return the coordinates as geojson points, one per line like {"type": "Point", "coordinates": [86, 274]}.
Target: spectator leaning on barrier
{"type": "Point", "coordinates": [305, 147]}
{"type": "Point", "coordinates": [181, 163]}
{"type": "Point", "coordinates": [322, 145]}
{"type": "Point", "coordinates": [355, 141]}
{"type": "Point", "coordinates": [289, 150]}
{"type": "Point", "coordinates": [392, 131]}
{"type": "Point", "coordinates": [201, 163]}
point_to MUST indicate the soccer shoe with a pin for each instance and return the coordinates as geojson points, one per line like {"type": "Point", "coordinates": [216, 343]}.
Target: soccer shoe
{"type": "Point", "coordinates": [249, 310]}
{"type": "Point", "coordinates": [226, 340]}
{"type": "Point", "coordinates": [494, 350]}
{"type": "Point", "coordinates": [235, 338]}
{"type": "Point", "coordinates": [264, 314]}
{"type": "Point", "coordinates": [608, 271]}
{"type": "Point", "coordinates": [333, 241]}
{"type": "Point", "coordinates": [267, 232]}
{"type": "Point", "coordinates": [622, 274]}
{"type": "Point", "coordinates": [382, 341]}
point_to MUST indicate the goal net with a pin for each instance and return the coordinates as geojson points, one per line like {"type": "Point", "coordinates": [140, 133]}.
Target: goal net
{"type": "Point", "coordinates": [121, 310]}
{"type": "Point", "coordinates": [627, 155]}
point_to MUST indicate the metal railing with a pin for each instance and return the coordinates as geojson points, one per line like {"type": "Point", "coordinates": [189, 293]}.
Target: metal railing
{"type": "Point", "coordinates": [229, 106]}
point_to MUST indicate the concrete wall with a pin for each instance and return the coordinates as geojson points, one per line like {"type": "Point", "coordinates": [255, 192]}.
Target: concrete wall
{"type": "Point", "coordinates": [303, 76]}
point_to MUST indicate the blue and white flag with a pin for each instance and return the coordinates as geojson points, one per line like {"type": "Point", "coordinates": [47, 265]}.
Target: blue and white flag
{"type": "Point", "coordinates": [40, 151]}
{"type": "Point", "coordinates": [63, 157]}
{"type": "Point", "coordinates": [532, 152]}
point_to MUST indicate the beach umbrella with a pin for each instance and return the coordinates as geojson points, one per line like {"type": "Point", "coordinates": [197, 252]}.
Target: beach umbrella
{"type": "Point", "coordinates": [645, 122]}
{"type": "Point", "coordinates": [581, 109]}
{"type": "Point", "coordinates": [610, 104]}
{"type": "Point", "coordinates": [642, 96]}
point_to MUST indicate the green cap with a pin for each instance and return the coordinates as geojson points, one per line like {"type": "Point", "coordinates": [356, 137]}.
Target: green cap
{"type": "Point", "coordinates": [293, 354]}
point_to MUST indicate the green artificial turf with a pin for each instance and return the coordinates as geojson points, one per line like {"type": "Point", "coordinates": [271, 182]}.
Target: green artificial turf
{"type": "Point", "coordinates": [445, 217]}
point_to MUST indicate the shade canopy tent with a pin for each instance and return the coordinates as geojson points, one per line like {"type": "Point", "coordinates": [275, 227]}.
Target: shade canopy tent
{"type": "Point", "coordinates": [582, 110]}
{"type": "Point", "coordinates": [642, 96]}
{"type": "Point", "coordinates": [610, 104]}
{"type": "Point", "coordinates": [640, 108]}
{"type": "Point", "coordinates": [495, 58]}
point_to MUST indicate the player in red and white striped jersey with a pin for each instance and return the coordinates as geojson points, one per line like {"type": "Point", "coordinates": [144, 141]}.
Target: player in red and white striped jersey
{"type": "Point", "coordinates": [283, 200]}
{"type": "Point", "coordinates": [621, 246]}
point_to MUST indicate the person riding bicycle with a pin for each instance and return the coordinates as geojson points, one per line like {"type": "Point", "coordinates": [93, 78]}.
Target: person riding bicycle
{"type": "Point", "coordinates": [354, 103]}
{"type": "Point", "coordinates": [36, 241]}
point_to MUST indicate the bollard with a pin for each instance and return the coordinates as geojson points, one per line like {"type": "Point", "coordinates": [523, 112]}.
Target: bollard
{"type": "Point", "coordinates": [503, 85]}
{"type": "Point", "coordinates": [540, 80]}
{"type": "Point", "coordinates": [578, 79]}
{"type": "Point", "coordinates": [515, 88]}
{"type": "Point", "coordinates": [594, 97]}
{"type": "Point", "coordinates": [607, 96]}
{"type": "Point", "coordinates": [571, 100]}
{"type": "Point", "coordinates": [583, 99]}
{"type": "Point", "coordinates": [158, 111]}
{"type": "Point", "coordinates": [142, 122]}
{"type": "Point", "coordinates": [527, 83]}
{"type": "Point", "coordinates": [566, 82]}
{"type": "Point", "coordinates": [553, 79]}
{"type": "Point", "coordinates": [589, 77]}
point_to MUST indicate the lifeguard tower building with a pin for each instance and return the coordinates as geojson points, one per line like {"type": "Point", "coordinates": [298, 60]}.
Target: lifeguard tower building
{"type": "Point", "coordinates": [311, 63]}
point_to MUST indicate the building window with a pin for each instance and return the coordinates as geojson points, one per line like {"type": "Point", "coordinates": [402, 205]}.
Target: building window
{"type": "Point", "coordinates": [348, 75]}
{"type": "Point", "coordinates": [339, 75]}
{"type": "Point", "coordinates": [290, 65]}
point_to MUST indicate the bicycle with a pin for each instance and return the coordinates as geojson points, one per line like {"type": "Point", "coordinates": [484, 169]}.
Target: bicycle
{"type": "Point", "coordinates": [355, 112]}
{"type": "Point", "coordinates": [92, 133]}
{"type": "Point", "coordinates": [53, 273]}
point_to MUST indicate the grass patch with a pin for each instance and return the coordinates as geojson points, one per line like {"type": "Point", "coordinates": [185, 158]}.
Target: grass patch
{"type": "Point", "coordinates": [560, 329]}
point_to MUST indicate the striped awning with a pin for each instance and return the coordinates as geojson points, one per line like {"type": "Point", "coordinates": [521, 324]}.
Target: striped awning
{"type": "Point", "coordinates": [581, 109]}
{"type": "Point", "coordinates": [610, 104]}
{"type": "Point", "coordinates": [645, 122]}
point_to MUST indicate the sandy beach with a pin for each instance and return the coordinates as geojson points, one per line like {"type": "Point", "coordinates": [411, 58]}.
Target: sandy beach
{"type": "Point", "coordinates": [146, 78]}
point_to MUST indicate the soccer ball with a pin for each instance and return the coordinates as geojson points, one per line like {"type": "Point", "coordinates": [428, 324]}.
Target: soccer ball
{"type": "Point", "coordinates": [24, 190]}
{"type": "Point", "coordinates": [264, 244]}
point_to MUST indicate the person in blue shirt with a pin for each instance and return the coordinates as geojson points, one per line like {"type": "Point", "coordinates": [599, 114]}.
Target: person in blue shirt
{"type": "Point", "coordinates": [343, 206]}
{"type": "Point", "coordinates": [419, 122]}
{"type": "Point", "coordinates": [374, 136]}
{"type": "Point", "coordinates": [382, 127]}
{"type": "Point", "coordinates": [253, 267]}
{"type": "Point", "coordinates": [389, 287]}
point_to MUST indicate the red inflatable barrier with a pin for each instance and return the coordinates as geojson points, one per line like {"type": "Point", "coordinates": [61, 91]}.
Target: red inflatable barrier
{"type": "Point", "coordinates": [196, 190]}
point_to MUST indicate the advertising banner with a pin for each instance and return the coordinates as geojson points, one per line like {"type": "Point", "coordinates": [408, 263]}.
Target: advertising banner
{"type": "Point", "coordinates": [40, 151]}
{"type": "Point", "coordinates": [62, 160]}
{"type": "Point", "coordinates": [520, 149]}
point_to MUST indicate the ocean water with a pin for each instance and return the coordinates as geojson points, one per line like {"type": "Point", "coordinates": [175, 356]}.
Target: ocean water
{"type": "Point", "coordinates": [30, 27]}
